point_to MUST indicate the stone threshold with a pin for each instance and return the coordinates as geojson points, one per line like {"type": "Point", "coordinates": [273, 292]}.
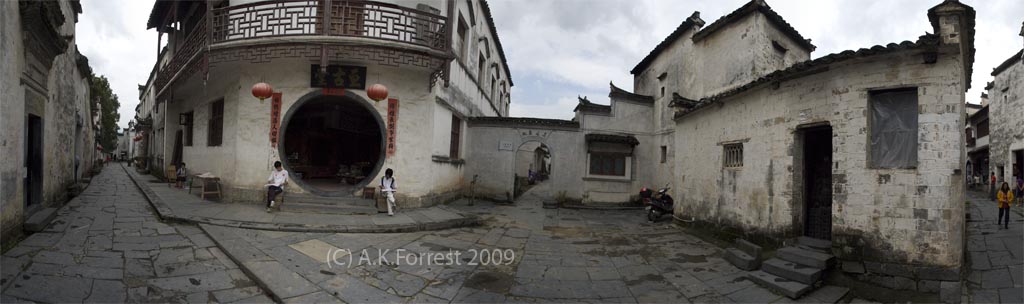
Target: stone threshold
{"type": "Point", "coordinates": [411, 220]}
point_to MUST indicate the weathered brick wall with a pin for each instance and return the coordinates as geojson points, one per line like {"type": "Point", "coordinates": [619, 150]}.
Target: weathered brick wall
{"type": "Point", "coordinates": [912, 216]}
{"type": "Point", "coordinates": [1006, 119]}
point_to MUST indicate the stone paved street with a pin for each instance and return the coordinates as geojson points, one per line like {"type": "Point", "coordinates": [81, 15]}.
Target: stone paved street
{"type": "Point", "coordinates": [560, 256]}
{"type": "Point", "coordinates": [106, 246]}
{"type": "Point", "coordinates": [995, 255]}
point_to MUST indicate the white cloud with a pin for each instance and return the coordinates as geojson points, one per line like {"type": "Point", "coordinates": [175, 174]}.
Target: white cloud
{"type": "Point", "coordinates": [112, 33]}
{"type": "Point", "coordinates": [557, 46]}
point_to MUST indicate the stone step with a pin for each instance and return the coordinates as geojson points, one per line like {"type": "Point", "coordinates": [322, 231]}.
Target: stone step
{"type": "Point", "coordinates": [303, 207]}
{"type": "Point", "coordinates": [792, 271]}
{"type": "Point", "coordinates": [806, 257]}
{"type": "Point", "coordinates": [39, 220]}
{"type": "Point", "coordinates": [786, 287]}
{"type": "Point", "coordinates": [749, 248]}
{"type": "Point", "coordinates": [809, 248]}
{"type": "Point", "coordinates": [818, 244]}
{"type": "Point", "coordinates": [741, 259]}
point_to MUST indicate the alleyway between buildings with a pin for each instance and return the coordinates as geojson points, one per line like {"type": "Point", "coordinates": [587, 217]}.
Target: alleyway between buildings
{"type": "Point", "coordinates": [995, 256]}
{"type": "Point", "coordinates": [106, 246]}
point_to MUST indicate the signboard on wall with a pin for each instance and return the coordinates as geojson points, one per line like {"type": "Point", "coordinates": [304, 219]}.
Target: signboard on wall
{"type": "Point", "coordinates": [275, 118]}
{"type": "Point", "coordinates": [506, 145]}
{"type": "Point", "coordinates": [392, 126]}
{"type": "Point", "coordinates": [338, 77]}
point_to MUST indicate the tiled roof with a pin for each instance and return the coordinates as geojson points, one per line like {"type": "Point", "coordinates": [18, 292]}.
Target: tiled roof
{"type": "Point", "coordinates": [750, 7]}
{"type": "Point", "coordinates": [611, 138]}
{"type": "Point", "coordinates": [802, 68]}
{"type": "Point", "coordinates": [585, 105]}
{"type": "Point", "coordinates": [497, 42]}
{"type": "Point", "coordinates": [953, 5]}
{"type": "Point", "coordinates": [523, 121]}
{"type": "Point", "coordinates": [616, 92]}
{"type": "Point", "coordinates": [687, 24]}
{"type": "Point", "coordinates": [1009, 62]}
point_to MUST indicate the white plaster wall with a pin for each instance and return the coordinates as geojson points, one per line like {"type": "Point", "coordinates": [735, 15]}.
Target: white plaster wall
{"type": "Point", "coordinates": [12, 120]}
{"type": "Point", "coordinates": [759, 197]}
{"type": "Point", "coordinates": [495, 168]}
{"type": "Point", "coordinates": [1006, 119]}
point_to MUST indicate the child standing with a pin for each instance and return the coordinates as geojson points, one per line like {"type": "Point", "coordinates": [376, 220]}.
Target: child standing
{"type": "Point", "coordinates": [1004, 196]}
{"type": "Point", "coordinates": [388, 188]}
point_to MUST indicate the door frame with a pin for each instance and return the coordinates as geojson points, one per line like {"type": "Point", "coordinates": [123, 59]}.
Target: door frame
{"type": "Point", "coordinates": [800, 202]}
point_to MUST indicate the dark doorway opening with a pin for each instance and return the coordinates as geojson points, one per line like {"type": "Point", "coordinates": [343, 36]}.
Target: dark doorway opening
{"type": "Point", "coordinates": [176, 157]}
{"type": "Point", "coordinates": [817, 171]}
{"type": "Point", "coordinates": [532, 166]}
{"type": "Point", "coordinates": [33, 161]}
{"type": "Point", "coordinates": [332, 144]}
{"type": "Point", "coordinates": [1018, 165]}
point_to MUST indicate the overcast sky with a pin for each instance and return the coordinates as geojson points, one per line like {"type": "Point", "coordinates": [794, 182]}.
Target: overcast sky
{"type": "Point", "coordinates": [558, 49]}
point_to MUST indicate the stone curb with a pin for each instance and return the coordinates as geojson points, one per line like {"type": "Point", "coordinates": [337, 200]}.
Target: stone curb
{"type": "Point", "coordinates": [165, 213]}
{"type": "Point", "coordinates": [585, 207]}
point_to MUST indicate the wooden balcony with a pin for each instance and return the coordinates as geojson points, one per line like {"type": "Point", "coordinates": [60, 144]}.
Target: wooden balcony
{"type": "Point", "coordinates": [319, 21]}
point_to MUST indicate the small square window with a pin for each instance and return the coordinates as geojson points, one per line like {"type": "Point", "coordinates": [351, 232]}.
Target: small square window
{"type": "Point", "coordinates": [732, 156]}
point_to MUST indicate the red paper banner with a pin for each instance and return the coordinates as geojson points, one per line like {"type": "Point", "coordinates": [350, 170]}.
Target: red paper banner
{"type": "Point", "coordinates": [275, 117]}
{"type": "Point", "coordinates": [392, 126]}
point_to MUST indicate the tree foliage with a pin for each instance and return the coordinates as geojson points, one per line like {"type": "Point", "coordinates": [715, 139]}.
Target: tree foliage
{"type": "Point", "coordinates": [105, 98]}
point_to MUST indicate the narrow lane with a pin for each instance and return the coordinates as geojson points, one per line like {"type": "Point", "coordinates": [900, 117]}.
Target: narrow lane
{"type": "Point", "coordinates": [107, 246]}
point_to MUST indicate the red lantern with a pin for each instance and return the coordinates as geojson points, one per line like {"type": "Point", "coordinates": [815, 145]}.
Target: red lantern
{"type": "Point", "coordinates": [262, 90]}
{"type": "Point", "coordinates": [377, 92]}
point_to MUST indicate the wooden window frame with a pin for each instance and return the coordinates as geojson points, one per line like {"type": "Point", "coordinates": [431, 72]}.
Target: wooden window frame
{"type": "Point", "coordinates": [189, 130]}
{"type": "Point", "coordinates": [215, 129]}
{"type": "Point", "coordinates": [608, 164]}
{"type": "Point", "coordinates": [456, 137]}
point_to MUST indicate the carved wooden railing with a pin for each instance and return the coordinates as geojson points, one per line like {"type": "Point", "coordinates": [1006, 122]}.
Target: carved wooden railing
{"type": "Point", "coordinates": [185, 55]}
{"type": "Point", "coordinates": [292, 18]}
{"type": "Point", "coordinates": [367, 19]}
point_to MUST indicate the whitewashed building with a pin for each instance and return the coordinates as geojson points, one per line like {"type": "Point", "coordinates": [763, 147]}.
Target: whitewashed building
{"type": "Point", "coordinates": [47, 125]}
{"type": "Point", "coordinates": [1006, 117]}
{"type": "Point", "coordinates": [441, 61]}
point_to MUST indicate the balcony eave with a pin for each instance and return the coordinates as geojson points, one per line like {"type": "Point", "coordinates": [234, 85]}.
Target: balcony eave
{"type": "Point", "coordinates": [332, 40]}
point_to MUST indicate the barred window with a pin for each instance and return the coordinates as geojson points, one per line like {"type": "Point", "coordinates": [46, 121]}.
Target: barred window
{"type": "Point", "coordinates": [456, 136]}
{"type": "Point", "coordinates": [732, 156]}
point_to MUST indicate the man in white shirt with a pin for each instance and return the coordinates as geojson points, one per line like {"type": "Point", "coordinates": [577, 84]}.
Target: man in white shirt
{"type": "Point", "coordinates": [388, 188]}
{"type": "Point", "coordinates": [275, 185]}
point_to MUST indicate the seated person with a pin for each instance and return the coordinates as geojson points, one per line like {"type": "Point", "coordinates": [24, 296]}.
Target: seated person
{"type": "Point", "coordinates": [278, 178]}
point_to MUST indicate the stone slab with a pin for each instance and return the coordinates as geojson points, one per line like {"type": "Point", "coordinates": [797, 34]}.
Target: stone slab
{"type": "Point", "coordinates": [789, 288]}
{"type": "Point", "coordinates": [317, 250]}
{"type": "Point", "coordinates": [806, 257]}
{"type": "Point", "coordinates": [39, 220]}
{"type": "Point", "coordinates": [740, 259]}
{"type": "Point", "coordinates": [792, 271]}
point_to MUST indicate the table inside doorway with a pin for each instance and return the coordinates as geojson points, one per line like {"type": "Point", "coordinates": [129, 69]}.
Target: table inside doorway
{"type": "Point", "coordinates": [205, 179]}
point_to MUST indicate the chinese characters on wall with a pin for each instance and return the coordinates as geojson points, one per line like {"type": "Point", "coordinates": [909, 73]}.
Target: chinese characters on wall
{"type": "Point", "coordinates": [275, 117]}
{"type": "Point", "coordinates": [338, 76]}
{"type": "Point", "coordinates": [392, 125]}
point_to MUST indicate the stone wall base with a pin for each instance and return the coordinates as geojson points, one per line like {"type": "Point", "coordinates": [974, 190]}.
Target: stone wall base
{"type": "Point", "coordinates": [253, 196]}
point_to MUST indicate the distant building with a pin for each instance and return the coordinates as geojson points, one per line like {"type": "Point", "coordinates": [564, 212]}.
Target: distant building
{"type": "Point", "coordinates": [1006, 103]}
{"type": "Point", "coordinates": [47, 129]}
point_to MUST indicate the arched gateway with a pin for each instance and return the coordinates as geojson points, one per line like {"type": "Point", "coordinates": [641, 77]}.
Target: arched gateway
{"type": "Point", "coordinates": [333, 145]}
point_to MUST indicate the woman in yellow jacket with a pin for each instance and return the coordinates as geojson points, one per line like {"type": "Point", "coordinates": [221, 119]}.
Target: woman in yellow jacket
{"type": "Point", "coordinates": [1004, 197]}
